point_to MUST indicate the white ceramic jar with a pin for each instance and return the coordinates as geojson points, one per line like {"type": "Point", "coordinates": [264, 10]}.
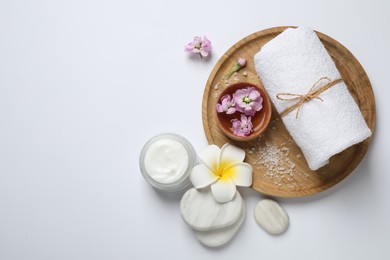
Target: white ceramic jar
{"type": "Point", "coordinates": [166, 161]}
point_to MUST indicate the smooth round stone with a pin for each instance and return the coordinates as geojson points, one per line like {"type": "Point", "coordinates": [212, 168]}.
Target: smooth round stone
{"type": "Point", "coordinates": [271, 216]}
{"type": "Point", "coordinates": [220, 237]}
{"type": "Point", "coordinates": [202, 212]}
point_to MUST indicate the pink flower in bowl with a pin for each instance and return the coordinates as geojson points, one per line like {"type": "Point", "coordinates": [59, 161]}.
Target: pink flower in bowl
{"type": "Point", "coordinates": [227, 105]}
{"type": "Point", "coordinates": [242, 127]}
{"type": "Point", "coordinates": [248, 100]}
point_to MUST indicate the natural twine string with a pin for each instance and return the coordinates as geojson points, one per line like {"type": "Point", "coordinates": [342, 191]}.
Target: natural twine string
{"type": "Point", "coordinates": [303, 98]}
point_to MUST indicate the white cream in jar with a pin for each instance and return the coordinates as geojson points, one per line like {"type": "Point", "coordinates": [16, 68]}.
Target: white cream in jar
{"type": "Point", "coordinates": [166, 161]}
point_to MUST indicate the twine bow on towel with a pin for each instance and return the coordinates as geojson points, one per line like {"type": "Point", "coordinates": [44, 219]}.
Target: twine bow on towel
{"type": "Point", "coordinates": [303, 98]}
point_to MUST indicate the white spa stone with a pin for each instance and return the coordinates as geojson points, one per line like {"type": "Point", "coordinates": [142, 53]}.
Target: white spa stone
{"type": "Point", "coordinates": [202, 212]}
{"type": "Point", "coordinates": [220, 237]}
{"type": "Point", "coordinates": [271, 216]}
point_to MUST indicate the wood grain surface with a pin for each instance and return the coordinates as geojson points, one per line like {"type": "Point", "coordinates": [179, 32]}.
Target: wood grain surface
{"type": "Point", "coordinates": [279, 168]}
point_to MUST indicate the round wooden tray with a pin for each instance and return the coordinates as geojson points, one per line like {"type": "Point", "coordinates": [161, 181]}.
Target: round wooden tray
{"type": "Point", "coordinates": [279, 169]}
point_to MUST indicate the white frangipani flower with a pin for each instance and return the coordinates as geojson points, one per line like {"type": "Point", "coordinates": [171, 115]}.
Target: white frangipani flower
{"type": "Point", "coordinates": [223, 169]}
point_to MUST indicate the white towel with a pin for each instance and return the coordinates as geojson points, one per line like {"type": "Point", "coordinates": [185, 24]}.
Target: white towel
{"type": "Point", "coordinates": [292, 62]}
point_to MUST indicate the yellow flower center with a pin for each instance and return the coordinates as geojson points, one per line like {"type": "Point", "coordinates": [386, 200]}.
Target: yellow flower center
{"type": "Point", "coordinates": [225, 171]}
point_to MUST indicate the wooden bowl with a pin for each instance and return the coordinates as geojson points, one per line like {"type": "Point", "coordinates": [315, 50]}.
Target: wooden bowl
{"type": "Point", "coordinates": [260, 120]}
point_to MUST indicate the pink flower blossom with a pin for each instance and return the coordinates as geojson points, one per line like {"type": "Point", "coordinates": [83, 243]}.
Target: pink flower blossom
{"type": "Point", "coordinates": [248, 100]}
{"type": "Point", "coordinates": [242, 127]}
{"type": "Point", "coordinates": [241, 62]}
{"type": "Point", "coordinates": [227, 105]}
{"type": "Point", "coordinates": [200, 46]}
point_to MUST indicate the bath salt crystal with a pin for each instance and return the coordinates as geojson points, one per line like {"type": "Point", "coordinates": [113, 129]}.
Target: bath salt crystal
{"type": "Point", "coordinates": [276, 165]}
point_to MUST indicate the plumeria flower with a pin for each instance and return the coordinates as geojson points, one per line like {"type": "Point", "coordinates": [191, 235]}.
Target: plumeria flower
{"type": "Point", "coordinates": [227, 105]}
{"type": "Point", "coordinates": [242, 127]}
{"type": "Point", "coordinates": [241, 62]}
{"type": "Point", "coordinates": [222, 169]}
{"type": "Point", "coordinates": [248, 100]}
{"type": "Point", "coordinates": [200, 46]}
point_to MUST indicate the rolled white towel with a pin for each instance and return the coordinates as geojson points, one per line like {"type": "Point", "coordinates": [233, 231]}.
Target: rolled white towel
{"type": "Point", "coordinates": [291, 63]}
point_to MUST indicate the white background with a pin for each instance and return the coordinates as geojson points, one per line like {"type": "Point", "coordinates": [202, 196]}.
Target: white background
{"type": "Point", "coordinates": [85, 83]}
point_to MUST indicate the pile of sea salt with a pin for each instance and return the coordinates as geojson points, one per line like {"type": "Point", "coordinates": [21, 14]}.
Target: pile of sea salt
{"type": "Point", "coordinates": [273, 161]}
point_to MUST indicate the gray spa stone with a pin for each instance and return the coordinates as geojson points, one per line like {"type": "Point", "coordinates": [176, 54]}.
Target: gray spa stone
{"type": "Point", "coordinates": [202, 212]}
{"type": "Point", "coordinates": [220, 237]}
{"type": "Point", "coordinates": [271, 216]}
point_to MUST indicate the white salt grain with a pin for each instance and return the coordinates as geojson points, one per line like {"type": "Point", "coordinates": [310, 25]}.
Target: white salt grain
{"type": "Point", "coordinates": [272, 159]}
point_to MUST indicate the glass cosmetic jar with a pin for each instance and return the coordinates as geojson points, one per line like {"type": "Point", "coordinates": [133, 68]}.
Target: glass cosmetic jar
{"type": "Point", "coordinates": [166, 161]}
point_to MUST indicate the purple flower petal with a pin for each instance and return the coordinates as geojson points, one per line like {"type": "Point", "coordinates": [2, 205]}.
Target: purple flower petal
{"type": "Point", "coordinates": [204, 53]}
{"type": "Point", "coordinates": [254, 94]}
{"type": "Point", "coordinates": [197, 41]}
{"type": "Point", "coordinates": [257, 106]}
{"type": "Point", "coordinates": [219, 108]}
{"type": "Point", "coordinates": [231, 110]}
{"type": "Point", "coordinates": [206, 40]}
{"type": "Point", "coordinates": [188, 48]}
{"type": "Point", "coordinates": [250, 111]}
